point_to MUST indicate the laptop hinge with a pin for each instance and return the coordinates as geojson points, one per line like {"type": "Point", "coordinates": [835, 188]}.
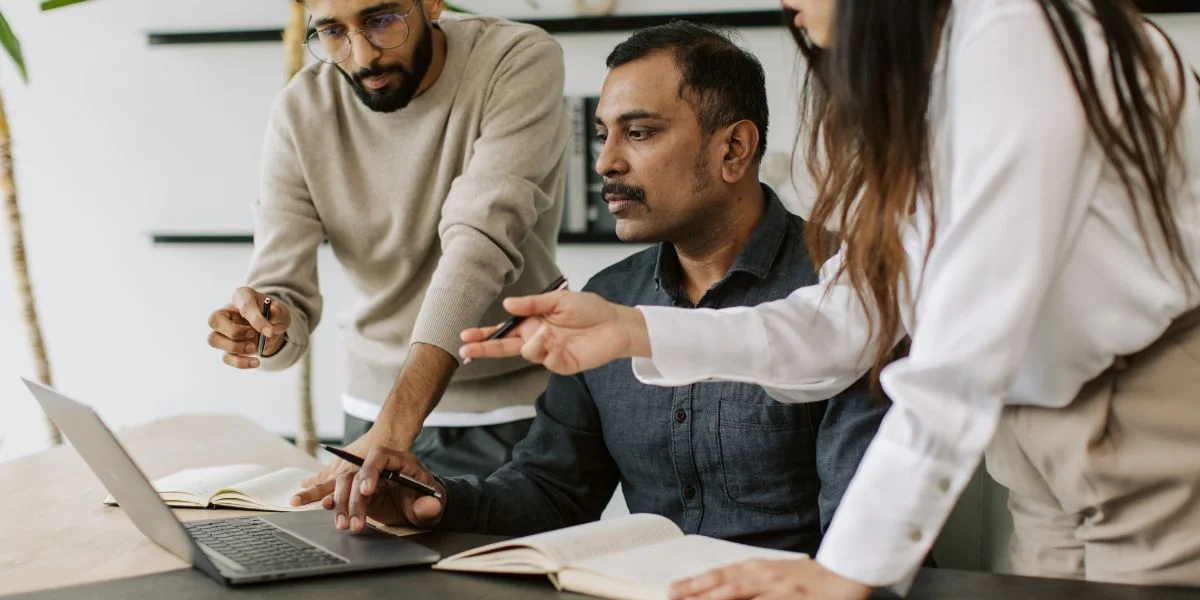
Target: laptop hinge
{"type": "Point", "coordinates": [202, 560]}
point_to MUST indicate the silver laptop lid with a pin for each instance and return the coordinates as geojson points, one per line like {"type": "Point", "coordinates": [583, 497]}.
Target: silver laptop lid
{"type": "Point", "coordinates": [119, 474]}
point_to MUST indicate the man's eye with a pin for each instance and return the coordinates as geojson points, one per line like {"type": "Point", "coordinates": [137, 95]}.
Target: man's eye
{"type": "Point", "coordinates": [331, 33]}
{"type": "Point", "coordinates": [381, 21]}
{"type": "Point", "coordinates": [602, 137]}
{"type": "Point", "coordinates": [638, 134]}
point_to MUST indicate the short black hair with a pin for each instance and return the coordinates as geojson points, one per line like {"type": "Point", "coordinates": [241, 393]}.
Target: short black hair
{"type": "Point", "coordinates": [723, 82]}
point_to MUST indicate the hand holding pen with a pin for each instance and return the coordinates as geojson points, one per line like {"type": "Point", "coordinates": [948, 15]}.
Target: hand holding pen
{"type": "Point", "coordinates": [416, 501]}
{"type": "Point", "coordinates": [252, 326]}
{"type": "Point", "coordinates": [388, 474]}
{"type": "Point", "coordinates": [560, 283]}
{"type": "Point", "coordinates": [568, 332]}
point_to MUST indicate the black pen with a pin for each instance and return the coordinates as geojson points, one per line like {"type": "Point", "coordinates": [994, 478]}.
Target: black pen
{"type": "Point", "coordinates": [508, 325]}
{"type": "Point", "coordinates": [388, 474]}
{"type": "Point", "coordinates": [266, 313]}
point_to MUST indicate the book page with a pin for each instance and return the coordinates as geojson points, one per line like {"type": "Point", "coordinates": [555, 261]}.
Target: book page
{"type": "Point", "coordinates": [581, 542]}
{"type": "Point", "coordinates": [396, 530]}
{"type": "Point", "coordinates": [195, 486]}
{"type": "Point", "coordinates": [650, 569]}
{"type": "Point", "coordinates": [519, 559]}
{"type": "Point", "coordinates": [270, 491]}
{"type": "Point", "coordinates": [571, 544]}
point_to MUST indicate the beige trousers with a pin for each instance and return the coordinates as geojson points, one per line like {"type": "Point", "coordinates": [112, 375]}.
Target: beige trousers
{"type": "Point", "coordinates": [1108, 488]}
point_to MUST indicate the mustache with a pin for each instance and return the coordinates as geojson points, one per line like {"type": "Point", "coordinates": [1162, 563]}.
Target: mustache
{"type": "Point", "coordinates": [375, 71]}
{"type": "Point", "coordinates": [620, 189]}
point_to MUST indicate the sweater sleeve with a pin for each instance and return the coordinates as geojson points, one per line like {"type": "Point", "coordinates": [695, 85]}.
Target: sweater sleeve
{"type": "Point", "coordinates": [493, 206]}
{"type": "Point", "coordinates": [287, 234]}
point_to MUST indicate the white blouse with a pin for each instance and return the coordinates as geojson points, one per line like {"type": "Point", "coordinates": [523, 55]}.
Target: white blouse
{"type": "Point", "coordinates": [1037, 280]}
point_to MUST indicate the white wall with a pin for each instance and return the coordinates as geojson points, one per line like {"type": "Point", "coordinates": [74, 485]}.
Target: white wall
{"type": "Point", "coordinates": [115, 139]}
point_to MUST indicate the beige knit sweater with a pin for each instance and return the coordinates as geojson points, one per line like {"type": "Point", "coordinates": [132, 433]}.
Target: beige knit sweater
{"type": "Point", "coordinates": [436, 212]}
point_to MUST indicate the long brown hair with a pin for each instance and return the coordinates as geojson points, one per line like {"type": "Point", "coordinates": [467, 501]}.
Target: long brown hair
{"type": "Point", "coordinates": [864, 108]}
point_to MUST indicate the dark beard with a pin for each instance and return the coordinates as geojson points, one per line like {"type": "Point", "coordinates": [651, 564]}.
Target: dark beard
{"type": "Point", "coordinates": [384, 101]}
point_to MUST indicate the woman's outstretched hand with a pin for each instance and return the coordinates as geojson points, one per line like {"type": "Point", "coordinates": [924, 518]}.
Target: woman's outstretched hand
{"type": "Point", "coordinates": [568, 332]}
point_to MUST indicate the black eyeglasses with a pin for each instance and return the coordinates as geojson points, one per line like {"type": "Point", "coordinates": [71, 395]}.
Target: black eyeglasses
{"type": "Point", "coordinates": [331, 44]}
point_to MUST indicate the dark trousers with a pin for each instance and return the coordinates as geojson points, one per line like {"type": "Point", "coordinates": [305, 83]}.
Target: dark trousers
{"type": "Point", "coordinates": [452, 451]}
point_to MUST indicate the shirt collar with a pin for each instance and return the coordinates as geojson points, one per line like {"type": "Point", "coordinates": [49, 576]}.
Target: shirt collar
{"type": "Point", "coordinates": [756, 257]}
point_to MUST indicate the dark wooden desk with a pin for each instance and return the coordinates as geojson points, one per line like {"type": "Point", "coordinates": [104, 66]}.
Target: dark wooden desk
{"type": "Point", "coordinates": [421, 583]}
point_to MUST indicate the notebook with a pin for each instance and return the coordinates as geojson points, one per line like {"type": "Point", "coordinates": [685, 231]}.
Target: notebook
{"type": "Point", "coordinates": [245, 486]}
{"type": "Point", "coordinates": [635, 557]}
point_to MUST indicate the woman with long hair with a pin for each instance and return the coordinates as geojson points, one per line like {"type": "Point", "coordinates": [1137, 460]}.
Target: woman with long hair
{"type": "Point", "coordinates": [1015, 187]}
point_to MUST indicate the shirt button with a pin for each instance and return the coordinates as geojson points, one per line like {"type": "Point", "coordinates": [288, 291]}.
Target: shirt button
{"type": "Point", "coordinates": [944, 485]}
{"type": "Point", "coordinates": [680, 416]}
{"type": "Point", "coordinates": [914, 535]}
{"type": "Point", "coordinates": [689, 492]}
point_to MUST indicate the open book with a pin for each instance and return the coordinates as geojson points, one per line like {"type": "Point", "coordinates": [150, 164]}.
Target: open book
{"type": "Point", "coordinates": [635, 557]}
{"type": "Point", "coordinates": [252, 487]}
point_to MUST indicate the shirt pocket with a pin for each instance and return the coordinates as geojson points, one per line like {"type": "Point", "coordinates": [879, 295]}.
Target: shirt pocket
{"type": "Point", "coordinates": [767, 450]}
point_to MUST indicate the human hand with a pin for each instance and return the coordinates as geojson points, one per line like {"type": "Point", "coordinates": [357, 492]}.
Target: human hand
{"type": "Point", "coordinates": [568, 332]}
{"type": "Point", "coordinates": [769, 579]}
{"type": "Point", "coordinates": [237, 326]}
{"type": "Point", "coordinates": [361, 494]}
{"type": "Point", "coordinates": [323, 484]}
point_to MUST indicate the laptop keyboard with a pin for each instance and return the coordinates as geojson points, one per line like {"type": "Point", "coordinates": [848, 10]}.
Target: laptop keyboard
{"type": "Point", "coordinates": [259, 547]}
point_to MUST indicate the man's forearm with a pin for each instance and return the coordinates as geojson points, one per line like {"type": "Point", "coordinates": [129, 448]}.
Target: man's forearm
{"type": "Point", "coordinates": [561, 474]}
{"type": "Point", "coordinates": [417, 391]}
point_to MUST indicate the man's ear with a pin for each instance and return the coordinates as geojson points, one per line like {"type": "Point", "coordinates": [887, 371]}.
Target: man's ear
{"type": "Point", "coordinates": [741, 150]}
{"type": "Point", "coordinates": [433, 9]}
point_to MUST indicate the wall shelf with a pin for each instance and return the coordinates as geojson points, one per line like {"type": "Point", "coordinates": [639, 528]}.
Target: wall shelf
{"type": "Point", "coordinates": [247, 238]}
{"type": "Point", "coordinates": [202, 238]}
{"type": "Point", "coordinates": [754, 18]}
{"type": "Point", "coordinates": [214, 37]}
{"type": "Point", "coordinates": [612, 23]}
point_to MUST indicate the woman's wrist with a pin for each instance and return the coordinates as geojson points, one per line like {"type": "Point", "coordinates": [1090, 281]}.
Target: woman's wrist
{"type": "Point", "coordinates": [633, 323]}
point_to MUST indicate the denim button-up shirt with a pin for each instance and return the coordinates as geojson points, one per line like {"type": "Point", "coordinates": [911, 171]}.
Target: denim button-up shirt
{"type": "Point", "coordinates": [719, 459]}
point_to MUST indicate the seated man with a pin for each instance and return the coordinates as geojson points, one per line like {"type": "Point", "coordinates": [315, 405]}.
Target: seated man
{"type": "Point", "coordinates": [683, 118]}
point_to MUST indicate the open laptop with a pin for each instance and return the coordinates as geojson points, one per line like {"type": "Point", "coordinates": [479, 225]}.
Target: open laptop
{"type": "Point", "coordinates": [234, 550]}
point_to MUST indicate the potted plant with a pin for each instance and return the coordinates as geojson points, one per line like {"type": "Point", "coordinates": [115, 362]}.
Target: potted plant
{"type": "Point", "coordinates": [8, 189]}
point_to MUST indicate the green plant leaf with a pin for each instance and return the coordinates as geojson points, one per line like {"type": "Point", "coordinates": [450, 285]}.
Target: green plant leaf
{"type": "Point", "coordinates": [53, 4]}
{"type": "Point", "coordinates": [12, 45]}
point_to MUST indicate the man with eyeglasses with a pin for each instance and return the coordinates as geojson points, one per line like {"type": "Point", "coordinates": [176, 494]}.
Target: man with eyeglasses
{"type": "Point", "coordinates": [429, 153]}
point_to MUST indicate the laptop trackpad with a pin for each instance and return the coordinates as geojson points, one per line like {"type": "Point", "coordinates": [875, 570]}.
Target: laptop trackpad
{"type": "Point", "coordinates": [371, 546]}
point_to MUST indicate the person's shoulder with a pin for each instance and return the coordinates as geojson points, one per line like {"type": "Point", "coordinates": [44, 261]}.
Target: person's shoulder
{"type": "Point", "coordinates": [620, 281]}
{"type": "Point", "coordinates": [312, 92]}
{"type": "Point", "coordinates": [970, 17]}
{"type": "Point", "coordinates": [976, 9]}
{"type": "Point", "coordinates": [794, 261]}
{"type": "Point", "coordinates": [795, 226]}
{"type": "Point", "coordinates": [500, 37]}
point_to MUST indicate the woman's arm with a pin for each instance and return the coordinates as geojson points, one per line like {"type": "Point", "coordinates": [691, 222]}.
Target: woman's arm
{"type": "Point", "coordinates": [803, 348]}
